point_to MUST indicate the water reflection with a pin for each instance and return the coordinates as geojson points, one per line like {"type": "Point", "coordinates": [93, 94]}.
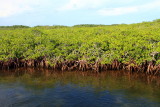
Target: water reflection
{"type": "Point", "coordinates": [40, 87]}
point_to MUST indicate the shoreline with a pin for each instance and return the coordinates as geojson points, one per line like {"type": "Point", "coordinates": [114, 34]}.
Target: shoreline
{"type": "Point", "coordinates": [148, 67]}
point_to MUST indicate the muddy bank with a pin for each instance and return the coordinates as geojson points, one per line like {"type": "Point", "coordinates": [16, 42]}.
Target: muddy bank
{"type": "Point", "coordinates": [148, 67]}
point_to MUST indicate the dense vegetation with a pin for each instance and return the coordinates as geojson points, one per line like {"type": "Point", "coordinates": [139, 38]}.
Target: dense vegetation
{"type": "Point", "coordinates": [14, 27]}
{"type": "Point", "coordinates": [134, 47]}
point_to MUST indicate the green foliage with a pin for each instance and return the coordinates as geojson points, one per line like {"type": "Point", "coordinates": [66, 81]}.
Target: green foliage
{"type": "Point", "coordinates": [88, 25]}
{"type": "Point", "coordinates": [138, 42]}
{"type": "Point", "coordinates": [14, 27]}
{"type": "Point", "coordinates": [50, 27]}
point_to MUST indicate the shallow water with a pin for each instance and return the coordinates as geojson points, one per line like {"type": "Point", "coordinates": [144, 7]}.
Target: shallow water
{"type": "Point", "coordinates": [44, 88]}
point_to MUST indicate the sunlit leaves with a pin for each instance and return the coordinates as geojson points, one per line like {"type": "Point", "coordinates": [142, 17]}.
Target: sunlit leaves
{"type": "Point", "coordinates": [99, 43]}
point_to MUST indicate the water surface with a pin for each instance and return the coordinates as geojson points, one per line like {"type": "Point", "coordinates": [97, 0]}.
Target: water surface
{"type": "Point", "coordinates": [45, 88]}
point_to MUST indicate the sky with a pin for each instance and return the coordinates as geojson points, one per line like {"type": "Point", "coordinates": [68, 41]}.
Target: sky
{"type": "Point", "coordinates": [73, 12]}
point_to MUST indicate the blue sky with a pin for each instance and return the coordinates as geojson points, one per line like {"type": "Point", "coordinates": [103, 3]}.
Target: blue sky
{"type": "Point", "coordinates": [72, 12]}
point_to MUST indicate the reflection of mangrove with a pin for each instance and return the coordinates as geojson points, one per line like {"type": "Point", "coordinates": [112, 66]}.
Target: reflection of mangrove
{"type": "Point", "coordinates": [141, 85]}
{"type": "Point", "coordinates": [149, 67]}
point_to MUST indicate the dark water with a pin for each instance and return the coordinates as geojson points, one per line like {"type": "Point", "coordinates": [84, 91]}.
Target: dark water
{"type": "Point", "coordinates": [43, 88]}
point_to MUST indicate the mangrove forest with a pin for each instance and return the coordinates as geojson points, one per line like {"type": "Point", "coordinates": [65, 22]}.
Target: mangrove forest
{"type": "Point", "coordinates": [131, 47]}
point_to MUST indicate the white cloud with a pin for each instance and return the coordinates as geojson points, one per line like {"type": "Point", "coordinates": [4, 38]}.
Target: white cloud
{"type": "Point", "coordinates": [11, 7]}
{"type": "Point", "coordinates": [125, 10]}
{"type": "Point", "coordinates": [117, 11]}
{"type": "Point", "coordinates": [81, 4]}
{"type": "Point", "coordinates": [87, 4]}
{"type": "Point", "coordinates": [151, 5]}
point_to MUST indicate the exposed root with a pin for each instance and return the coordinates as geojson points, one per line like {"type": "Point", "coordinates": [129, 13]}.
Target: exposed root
{"type": "Point", "coordinates": [150, 68]}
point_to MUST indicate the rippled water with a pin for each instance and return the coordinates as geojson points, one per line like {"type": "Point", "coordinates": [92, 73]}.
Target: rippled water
{"type": "Point", "coordinates": [44, 88]}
